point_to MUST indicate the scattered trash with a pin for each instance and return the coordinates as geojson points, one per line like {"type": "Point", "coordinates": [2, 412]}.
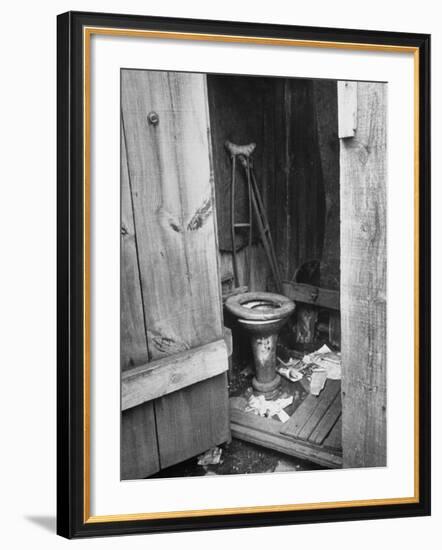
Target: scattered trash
{"type": "Point", "coordinates": [317, 382]}
{"type": "Point", "coordinates": [314, 368]}
{"type": "Point", "coordinates": [260, 406]}
{"type": "Point", "coordinates": [210, 457]}
{"type": "Point", "coordinates": [322, 364]}
{"type": "Point", "coordinates": [247, 371]}
{"type": "Point", "coordinates": [327, 359]}
{"type": "Point", "coordinates": [290, 370]}
{"type": "Point", "coordinates": [285, 466]}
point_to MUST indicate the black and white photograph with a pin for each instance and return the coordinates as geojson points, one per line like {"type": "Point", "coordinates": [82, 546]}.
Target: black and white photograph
{"type": "Point", "coordinates": [253, 274]}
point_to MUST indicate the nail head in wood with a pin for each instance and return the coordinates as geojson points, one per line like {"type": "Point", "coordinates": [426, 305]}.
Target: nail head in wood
{"type": "Point", "coordinates": [153, 118]}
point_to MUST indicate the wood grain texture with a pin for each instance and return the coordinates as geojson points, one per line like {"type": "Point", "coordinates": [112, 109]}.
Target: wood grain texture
{"type": "Point", "coordinates": [133, 344]}
{"type": "Point", "coordinates": [301, 200]}
{"type": "Point", "coordinates": [326, 106]}
{"type": "Point", "coordinates": [192, 420]}
{"type": "Point", "coordinates": [310, 294]}
{"type": "Point", "coordinates": [334, 438]}
{"type": "Point", "coordinates": [260, 271]}
{"type": "Point", "coordinates": [240, 113]}
{"type": "Point", "coordinates": [325, 400]}
{"type": "Point", "coordinates": [363, 282]}
{"type": "Point", "coordinates": [347, 108]}
{"type": "Point", "coordinates": [139, 447]}
{"type": "Point", "coordinates": [326, 423]}
{"type": "Point", "coordinates": [298, 419]}
{"type": "Point", "coordinates": [170, 374]}
{"type": "Point", "coordinates": [266, 432]}
{"type": "Point", "coordinates": [170, 175]}
{"type": "Point", "coordinates": [312, 411]}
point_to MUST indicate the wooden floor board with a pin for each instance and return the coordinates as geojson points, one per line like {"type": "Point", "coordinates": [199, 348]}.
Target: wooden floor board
{"type": "Point", "coordinates": [334, 439]}
{"type": "Point", "coordinates": [325, 399]}
{"type": "Point", "coordinates": [327, 422]}
{"type": "Point", "coordinates": [308, 415]}
{"type": "Point", "coordinates": [265, 432]}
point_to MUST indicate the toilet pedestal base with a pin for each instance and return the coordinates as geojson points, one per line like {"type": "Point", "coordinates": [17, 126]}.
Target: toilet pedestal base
{"type": "Point", "coordinates": [270, 390]}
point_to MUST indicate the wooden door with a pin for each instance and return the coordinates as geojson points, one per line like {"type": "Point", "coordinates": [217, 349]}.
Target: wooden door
{"type": "Point", "coordinates": [174, 358]}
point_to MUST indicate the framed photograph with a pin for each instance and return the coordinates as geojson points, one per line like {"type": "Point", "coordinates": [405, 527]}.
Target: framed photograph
{"type": "Point", "coordinates": [243, 274]}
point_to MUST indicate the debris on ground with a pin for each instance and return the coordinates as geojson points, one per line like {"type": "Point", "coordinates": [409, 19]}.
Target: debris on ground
{"type": "Point", "coordinates": [210, 457]}
{"type": "Point", "coordinates": [317, 380]}
{"type": "Point", "coordinates": [239, 403]}
{"type": "Point", "coordinates": [322, 364]}
{"type": "Point", "coordinates": [328, 360]}
{"type": "Point", "coordinates": [286, 466]}
{"type": "Point", "coordinates": [260, 406]}
{"type": "Point", "coordinates": [247, 371]}
{"type": "Point", "coordinates": [292, 369]}
{"type": "Point", "coordinates": [313, 369]}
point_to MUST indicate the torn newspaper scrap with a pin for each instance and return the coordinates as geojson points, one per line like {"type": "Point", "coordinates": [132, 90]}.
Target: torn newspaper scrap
{"type": "Point", "coordinates": [259, 405]}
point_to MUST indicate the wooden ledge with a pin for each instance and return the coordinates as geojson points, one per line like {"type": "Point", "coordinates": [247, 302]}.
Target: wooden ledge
{"type": "Point", "coordinates": [170, 374]}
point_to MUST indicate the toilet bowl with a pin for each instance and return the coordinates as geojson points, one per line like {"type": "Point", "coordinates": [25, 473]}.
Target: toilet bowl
{"type": "Point", "coordinates": [262, 315]}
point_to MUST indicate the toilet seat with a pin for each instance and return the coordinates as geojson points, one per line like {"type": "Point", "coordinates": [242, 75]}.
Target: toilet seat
{"type": "Point", "coordinates": [252, 306]}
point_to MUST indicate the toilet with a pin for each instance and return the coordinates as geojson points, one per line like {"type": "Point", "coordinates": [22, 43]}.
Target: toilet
{"type": "Point", "coordinates": [262, 315]}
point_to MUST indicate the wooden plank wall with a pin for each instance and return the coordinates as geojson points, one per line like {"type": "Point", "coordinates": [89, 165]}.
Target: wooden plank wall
{"type": "Point", "coordinates": [172, 197]}
{"type": "Point", "coordinates": [133, 342]}
{"type": "Point", "coordinates": [139, 447]}
{"type": "Point", "coordinates": [326, 108]}
{"type": "Point", "coordinates": [363, 281]}
{"type": "Point", "coordinates": [242, 110]}
{"type": "Point", "coordinates": [299, 226]}
{"type": "Point", "coordinates": [171, 188]}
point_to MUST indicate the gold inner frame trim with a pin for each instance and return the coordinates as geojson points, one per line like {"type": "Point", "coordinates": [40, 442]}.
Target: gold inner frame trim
{"type": "Point", "coordinates": [87, 33]}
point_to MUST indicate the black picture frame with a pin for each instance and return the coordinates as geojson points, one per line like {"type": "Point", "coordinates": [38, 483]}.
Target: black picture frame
{"type": "Point", "coordinates": [72, 520]}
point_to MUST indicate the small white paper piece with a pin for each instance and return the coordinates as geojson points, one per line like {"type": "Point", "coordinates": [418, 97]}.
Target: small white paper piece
{"type": "Point", "coordinates": [260, 406]}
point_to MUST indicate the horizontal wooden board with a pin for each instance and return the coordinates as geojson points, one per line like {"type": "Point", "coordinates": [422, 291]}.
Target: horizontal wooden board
{"type": "Point", "coordinates": [310, 294]}
{"type": "Point", "coordinates": [170, 374]}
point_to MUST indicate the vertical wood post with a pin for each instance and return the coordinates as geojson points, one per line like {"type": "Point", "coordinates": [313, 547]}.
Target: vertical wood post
{"type": "Point", "coordinates": [363, 280]}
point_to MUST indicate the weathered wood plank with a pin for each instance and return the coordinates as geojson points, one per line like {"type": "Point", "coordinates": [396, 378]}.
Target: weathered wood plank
{"type": "Point", "coordinates": [326, 105]}
{"type": "Point", "coordinates": [170, 374]}
{"type": "Point", "coordinates": [325, 425]}
{"type": "Point", "coordinates": [139, 447]}
{"type": "Point", "coordinates": [363, 281]}
{"type": "Point", "coordinates": [133, 344]}
{"type": "Point", "coordinates": [302, 233]}
{"type": "Point", "coordinates": [265, 432]}
{"type": "Point", "coordinates": [334, 439]}
{"type": "Point", "coordinates": [325, 399]}
{"type": "Point", "coordinates": [170, 176]}
{"type": "Point", "coordinates": [298, 419]}
{"type": "Point", "coordinates": [334, 329]}
{"type": "Point", "coordinates": [310, 294]}
{"type": "Point", "coordinates": [347, 108]}
{"type": "Point", "coordinates": [192, 420]}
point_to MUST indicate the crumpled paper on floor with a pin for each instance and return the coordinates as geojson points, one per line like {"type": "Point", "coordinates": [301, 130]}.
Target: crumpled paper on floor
{"type": "Point", "coordinates": [212, 456]}
{"type": "Point", "coordinates": [324, 363]}
{"type": "Point", "coordinates": [260, 406]}
{"type": "Point", "coordinates": [327, 359]}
